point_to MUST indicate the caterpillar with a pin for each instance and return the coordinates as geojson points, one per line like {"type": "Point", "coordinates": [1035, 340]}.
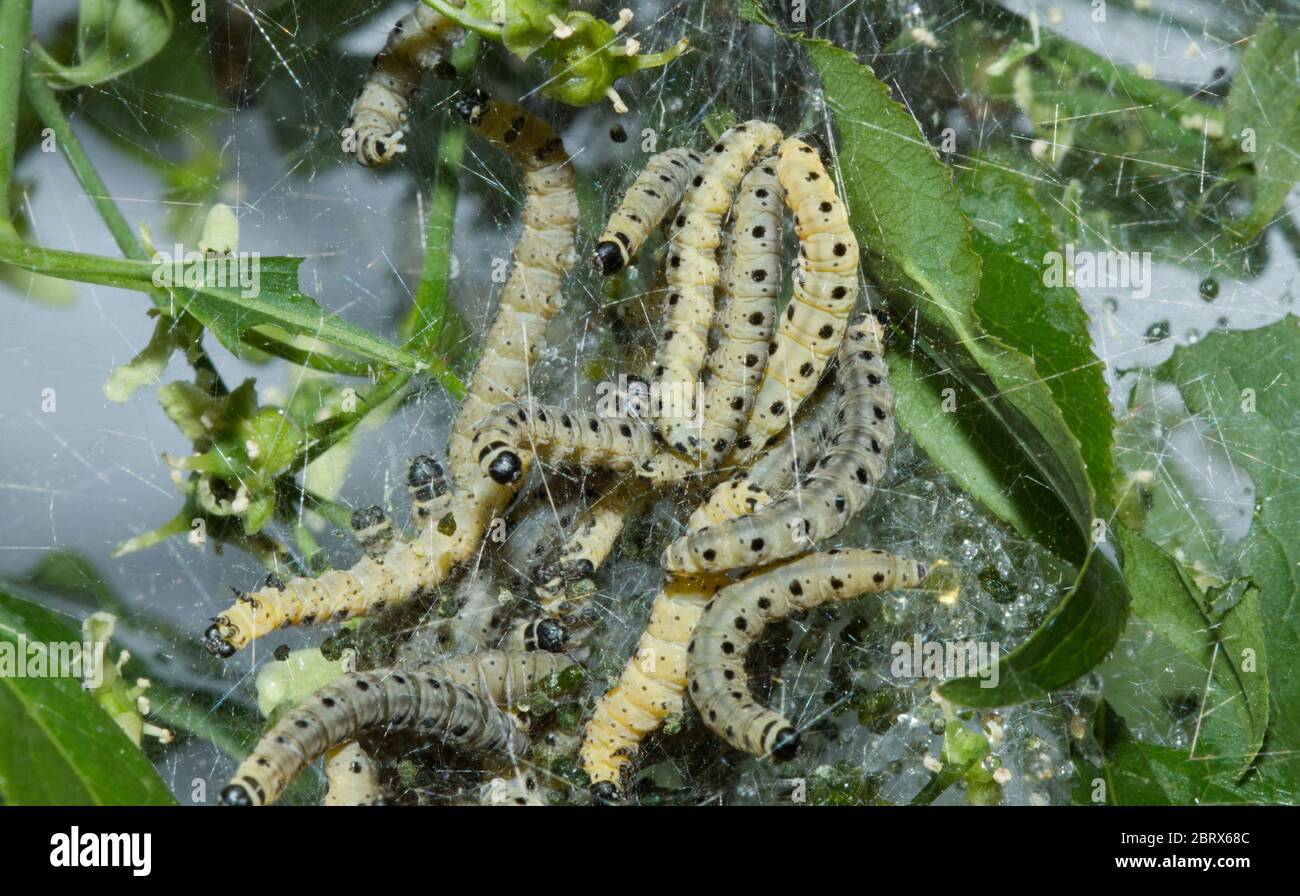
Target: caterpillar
{"type": "Point", "coordinates": [511, 434]}
{"type": "Point", "coordinates": [457, 701]}
{"type": "Point", "coordinates": [825, 289]}
{"type": "Point", "coordinates": [564, 612]}
{"type": "Point", "coordinates": [733, 498]}
{"type": "Point", "coordinates": [654, 193]}
{"type": "Point", "coordinates": [351, 776]}
{"type": "Point", "coordinates": [736, 617]}
{"type": "Point", "coordinates": [455, 523]}
{"type": "Point", "coordinates": [650, 688]}
{"type": "Point", "coordinates": [752, 287]}
{"type": "Point", "coordinates": [378, 115]}
{"type": "Point", "coordinates": [693, 269]}
{"type": "Point", "coordinates": [840, 484]}
{"type": "Point", "coordinates": [373, 530]}
{"type": "Point", "coordinates": [531, 297]}
{"type": "Point", "coordinates": [797, 449]}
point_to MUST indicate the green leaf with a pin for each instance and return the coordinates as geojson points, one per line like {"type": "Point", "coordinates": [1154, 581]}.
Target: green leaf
{"type": "Point", "coordinates": [1235, 702]}
{"type": "Point", "coordinates": [113, 38]}
{"type": "Point", "coordinates": [59, 746]}
{"type": "Point", "coordinates": [1134, 773]}
{"type": "Point", "coordinates": [1265, 97]}
{"type": "Point", "coordinates": [226, 311]}
{"type": "Point", "coordinates": [907, 213]}
{"type": "Point", "coordinates": [1257, 429]}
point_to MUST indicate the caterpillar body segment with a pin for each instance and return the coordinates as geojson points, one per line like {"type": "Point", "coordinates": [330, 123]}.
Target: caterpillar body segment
{"type": "Point", "coordinates": [509, 437]}
{"type": "Point", "coordinates": [438, 708]}
{"type": "Point", "coordinates": [693, 270]}
{"type": "Point", "coordinates": [377, 119]}
{"type": "Point", "coordinates": [752, 287]}
{"type": "Point", "coordinates": [825, 290]}
{"type": "Point", "coordinates": [792, 454]}
{"type": "Point", "coordinates": [374, 531]}
{"type": "Point", "coordinates": [531, 296]}
{"type": "Point", "coordinates": [733, 498]}
{"type": "Point", "coordinates": [840, 484]}
{"type": "Point", "coordinates": [736, 618]}
{"type": "Point", "coordinates": [351, 777]}
{"type": "Point", "coordinates": [651, 686]}
{"type": "Point", "coordinates": [652, 196]}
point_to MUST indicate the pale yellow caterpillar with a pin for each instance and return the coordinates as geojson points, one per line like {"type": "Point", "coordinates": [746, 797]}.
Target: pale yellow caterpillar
{"type": "Point", "coordinates": [531, 297]}
{"type": "Point", "coordinates": [752, 287]}
{"type": "Point", "coordinates": [736, 618]}
{"type": "Point", "coordinates": [656, 192]}
{"type": "Point", "coordinates": [351, 777]}
{"type": "Point", "coordinates": [456, 701]}
{"type": "Point", "coordinates": [650, 688]}
{"type": "Point", "coordinates": [513, 433]}
{"type": "Point", "coordinates": [841, 482]}
{"type": "Point", "coordinates": [377, 119]}
{"type": "Point", "coordinates": [455, 522]}
{"type": "Point", "coordinates": [825, 289]}
{"type": "Point", "coordinates": [693, 271]}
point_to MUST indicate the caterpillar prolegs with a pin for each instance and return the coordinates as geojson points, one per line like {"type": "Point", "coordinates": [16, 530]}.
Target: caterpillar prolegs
{"type": "Point", "coordinates": [378, 115]}
{"type": "Point", "coordinates": [734, 619]}
{"type": "Point", "coordinates": [458, 702]}
{"type": "Point", "coordinates": [840, 484]}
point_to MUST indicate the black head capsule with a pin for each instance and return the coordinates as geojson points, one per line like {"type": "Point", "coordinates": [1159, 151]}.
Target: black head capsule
{"type": "Point", "coordinates": [234, 795]}
{"type": "Point", "coordinates": [365, 517]}
{"type": "Point", "coordinates": [505, 468]}
{"type": "Point", "coordinates": [472, 105]}
{"type": "Point", "coordinates": [609, 257]}
{"type": "Point", "coordinates": [785, 746]}
{"type": "Point", "coordinates": [215, 644]}
{"type": "Point", "coordinates": [606, 794]}
{"type": "Point", "coordinates": [424, 471]}
{"type": "Point", "coordinates": [551, 636]}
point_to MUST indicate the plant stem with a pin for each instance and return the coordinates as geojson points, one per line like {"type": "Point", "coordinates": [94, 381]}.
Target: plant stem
{"type": "Point", "coordinates": [15, 30]}
{"type": "Point", "coordinates": [51, 114]}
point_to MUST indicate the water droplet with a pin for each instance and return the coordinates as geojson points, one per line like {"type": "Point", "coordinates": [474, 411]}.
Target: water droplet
{"type": "Point", "coordinates": [1209, 289]}
{"type": "Point", "coordinates": [1158, 331]}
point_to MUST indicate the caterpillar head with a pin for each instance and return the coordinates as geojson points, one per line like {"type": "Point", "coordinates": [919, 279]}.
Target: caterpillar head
{"type": "Point", "coordinates": [606, 793]}
{"type": "Point", "coordinates": [472, 105]}
{"type": "Point", "coordinates": [506, 468]}
{"type": "Point", "coordinates": [610, 257]}
{"type": "Point", "coordinates": [365, 517]}
{"type": "Point", "coordinates": [215, 643]}
{"type": "Point", "coordinates": [235, 795]}
{"type": "Point", "coordinates": [785, 745]}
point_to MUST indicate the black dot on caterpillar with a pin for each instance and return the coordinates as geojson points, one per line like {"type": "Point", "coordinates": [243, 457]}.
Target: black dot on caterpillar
{"type": "Point", "coordinates": [737, 616]}
{"type": "Point", "coordinates": [840, 484]}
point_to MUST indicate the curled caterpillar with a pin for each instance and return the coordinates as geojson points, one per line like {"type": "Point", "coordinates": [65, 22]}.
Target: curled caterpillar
{"type": "Point", "coordinates": [351, 777]}
{"type": "Point", "coordinates": [840, 484]}
{"type": "Point", "coordinates": [377, 118]}
{"type": "Point", "coordinates": [650, 688]}
{"type": "Point", "coordinates": [655, 193]}
{"type": "Point", "coordinates": [736, 618]}
{"type": "Point", "coordinates": [457, 701]}
{"type": "Point", "coordinates": [825, 289]}
{"type": "Point", "coordinates": [453, 524]}
{"type": "Point", "coordinates": [693, 270]}
{"type": "Point", "coordinates": [510, 435]}
{"type": "Point", "coordinates": [752, 287]}
{"type": "Point", "coordinates": [531, 297]}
